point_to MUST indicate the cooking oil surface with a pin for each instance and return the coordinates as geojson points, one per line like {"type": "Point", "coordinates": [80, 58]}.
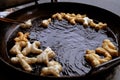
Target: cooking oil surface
{"type": "Point", "coordinates": [69, 42]}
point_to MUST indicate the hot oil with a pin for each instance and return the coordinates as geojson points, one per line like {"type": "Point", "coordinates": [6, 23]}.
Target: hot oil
{"type": "Point", "coordinates": [69, 42]}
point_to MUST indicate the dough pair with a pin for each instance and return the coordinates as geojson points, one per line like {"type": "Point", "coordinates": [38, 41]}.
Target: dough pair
{"type": "Point", "coordinates": [20, 42]}
{"type": "Point", "coordinates": [53, 67]}
{"type": "Point", "coordinates": [22, 45]}
{"type": "Point", "coordinates": [108, 50]}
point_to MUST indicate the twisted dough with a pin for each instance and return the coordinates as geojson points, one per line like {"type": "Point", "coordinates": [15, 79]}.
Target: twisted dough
{"type": "Point", "coordinates": [23, 63]}
{"type": "Point", "coordinates": [27, 24]}
{"type": "Point", "coordinates": [53, 68]}
{"type": "Point", "coordinates": [22, 37]}
{"type": "Point", "coordinates": [45, 23]}
{"type": "Point", "coordinates": [106, 55]}
{"type": "Point", "coordinates": [30, 61]}
{"type": "Point", "coordinates": [20, 42]}
{"type": "Point", "coordinates": [92, 57]}
{"type": "Point", "coordinates": [16, 49]}
{"type": "Point", "coordinates": [32, 48]}
{"type": "Point", "coordinates": [110, 47]}
{"type": "Point", "coordinates": [45, 56]}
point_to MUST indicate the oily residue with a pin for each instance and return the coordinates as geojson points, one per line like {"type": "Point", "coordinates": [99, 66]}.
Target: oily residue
{"type": "Point", "coordinates": [69, 42]}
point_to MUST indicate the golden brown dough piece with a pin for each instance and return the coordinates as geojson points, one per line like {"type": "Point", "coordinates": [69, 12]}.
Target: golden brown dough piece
{"type": "Point", "coordinates": [54, 68]}
{"type": "Point", "coordinates": [45, 56]}
{"type": "Point", "coordinates": [45, 23]}
{"type": "Point", "coordinates": [16, 49]}
{"type": "Point", "coordinates": [20, 42]}
{"type": "Point", "coordinates": [71, 18]}
{"type": "Point", "coordinates": [30, 61]}
{"type": "Point", "coordinates": [110, 47]}
{"type": "Point", "coordinates": [27, 24]}
{"type": "Point", "coordinates": [32, 48]}
{"type": "Point", "coordinates": [58, 16]}
{"type": "Point", "coordinates": [22, 37]}
{"type": "Point", "coordinates": [92, 57]}
{"type": "Point", "coordinates": [23, 63]}
{"type": "Point", "coordinates": [106, 55]}
{"type": "Point", "coordinates": [100, 25]}
{"type": "Point", "coordinates": [86, 21]}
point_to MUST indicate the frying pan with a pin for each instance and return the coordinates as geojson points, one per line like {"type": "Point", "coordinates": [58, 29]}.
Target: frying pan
{"type": "Point", "coordinates": [46, 10]}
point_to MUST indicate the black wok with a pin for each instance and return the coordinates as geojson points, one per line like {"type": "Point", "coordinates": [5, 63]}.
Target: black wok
{"type": "Point", "coordinates": [46, 10]}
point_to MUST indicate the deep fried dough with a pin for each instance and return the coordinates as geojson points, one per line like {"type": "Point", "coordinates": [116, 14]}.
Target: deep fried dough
{"type": "Point", "coordinates": [92, 57]}
{"type": "Point", "coordinates": [32, 48]}
{"type": "Point", "coordinates": [110, 47]}
{"type": "Point", "coordinates": [22, 37]}
{"type": "Point", "coordinates": [106, 55]}
{"type": "Point", "coordinates": [45, 56]}
{"type": "Point", "coordinates": [54, 68]}
{"type": "Point", "coordinates": [16, 49]}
